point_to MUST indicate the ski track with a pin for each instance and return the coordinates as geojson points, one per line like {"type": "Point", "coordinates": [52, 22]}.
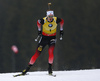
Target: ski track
{"type": "Point", "coordinates": [78, 75]}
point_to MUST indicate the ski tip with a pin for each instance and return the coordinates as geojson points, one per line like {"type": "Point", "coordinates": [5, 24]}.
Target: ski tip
{"type": "Point", "coordinates": [14, 76]}
{"type": "Point", "coordinates": [52, 75]}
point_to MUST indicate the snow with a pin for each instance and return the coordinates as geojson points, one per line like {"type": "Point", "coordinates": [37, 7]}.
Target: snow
{"type": "Point", "coordinates": [78, 75]}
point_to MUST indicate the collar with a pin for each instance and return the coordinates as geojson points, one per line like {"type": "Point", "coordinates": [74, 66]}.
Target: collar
{"type": "Point", "coordinates": [49, 21]}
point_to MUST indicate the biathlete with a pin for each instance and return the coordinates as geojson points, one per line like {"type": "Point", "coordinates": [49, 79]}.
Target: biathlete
{"type": "Point", "coordinates": [47, 28]}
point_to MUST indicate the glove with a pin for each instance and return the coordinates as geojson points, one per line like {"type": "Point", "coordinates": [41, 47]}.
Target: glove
{"type": "Point", "coordinates": [61, 32]}
{"type": "Point", "coordinates": [39, 32]}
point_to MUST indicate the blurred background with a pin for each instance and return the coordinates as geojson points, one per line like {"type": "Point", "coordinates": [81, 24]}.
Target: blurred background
{"type": "Point", "coordinates": [79, 49]}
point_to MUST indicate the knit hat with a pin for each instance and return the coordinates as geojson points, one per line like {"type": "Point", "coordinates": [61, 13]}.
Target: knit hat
{"type": "Point", "coordinates": [50, 12]}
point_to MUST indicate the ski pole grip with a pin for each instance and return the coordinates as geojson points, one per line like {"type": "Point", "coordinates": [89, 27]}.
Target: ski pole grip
{"type": "Point", "coordinates": [61, 37]}
{"type": "Point", "coordinates": [35, 39]}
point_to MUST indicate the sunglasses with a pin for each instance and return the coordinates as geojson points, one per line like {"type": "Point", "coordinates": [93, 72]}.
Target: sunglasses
{"type": "Point", "coordinates": [50, 16]}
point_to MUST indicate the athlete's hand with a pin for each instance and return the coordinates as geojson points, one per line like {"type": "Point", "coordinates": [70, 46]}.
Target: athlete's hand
{"type": "Point", "coordinates": [61, 38]}
{"type": "Point", "coordinates": [61, 32]}
{"type": "Point", "coordinates": [39, 32]}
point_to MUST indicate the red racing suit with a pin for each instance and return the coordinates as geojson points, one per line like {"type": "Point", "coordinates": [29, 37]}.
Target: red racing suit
{"type": "Point", "coordinates": [48, 37]}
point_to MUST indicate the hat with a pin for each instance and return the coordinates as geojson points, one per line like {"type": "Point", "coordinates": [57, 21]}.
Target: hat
{"type": "Point", "coordinates": [50, 12]}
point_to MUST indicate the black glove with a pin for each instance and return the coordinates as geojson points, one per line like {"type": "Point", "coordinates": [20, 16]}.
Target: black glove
{"type": "Point", "coordinates": [39, 32]}
{"type": "Point", "coordinates": [61, 32]}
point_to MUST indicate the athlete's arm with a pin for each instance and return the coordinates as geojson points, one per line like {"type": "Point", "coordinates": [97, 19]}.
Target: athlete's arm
{"type": "Point", "coordinates": [61, 21]}
{"type": "Point", "coordinates": [39, 23]}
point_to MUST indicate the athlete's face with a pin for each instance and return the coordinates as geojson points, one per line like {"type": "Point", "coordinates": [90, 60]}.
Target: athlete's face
{"type": "Point", "coordinates": [50, 18]}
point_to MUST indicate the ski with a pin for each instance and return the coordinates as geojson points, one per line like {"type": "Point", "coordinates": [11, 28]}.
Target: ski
{"type": "Point", "coordinates": [27, 74]}
{"type": "Point", "coordinates": [19, 75]}
{"type": "Point", "coordinates": [52, 75]}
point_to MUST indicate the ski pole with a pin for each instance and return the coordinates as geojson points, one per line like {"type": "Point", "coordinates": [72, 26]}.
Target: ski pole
{"type": "Point", "coordinates": [61, 37]}
{"type": "Point", "coordinates": [37, 38]}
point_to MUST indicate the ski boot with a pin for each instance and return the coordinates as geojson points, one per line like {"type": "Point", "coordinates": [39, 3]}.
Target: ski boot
{"type": "Point", "coordinates": [50, 69]}
{"type": "Point", "coordinates": [26, 70]}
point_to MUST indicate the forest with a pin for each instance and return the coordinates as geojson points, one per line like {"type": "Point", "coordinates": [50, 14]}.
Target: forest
{"type": "Point", "coordinates": [79, 49]}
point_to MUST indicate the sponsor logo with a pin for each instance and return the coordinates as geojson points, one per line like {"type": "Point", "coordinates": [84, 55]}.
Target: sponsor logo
{"type": "Point", "coordinates": [40, 48]}
{"type": "Point", "coordinates": [50, 25]}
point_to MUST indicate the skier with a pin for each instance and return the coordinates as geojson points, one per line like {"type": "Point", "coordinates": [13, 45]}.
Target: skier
{"type": "Point", "coordinates": [47, 27]}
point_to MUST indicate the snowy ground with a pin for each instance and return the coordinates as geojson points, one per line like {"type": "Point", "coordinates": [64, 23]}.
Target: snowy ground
{"type": "Point", "coordinates": [79, 75]}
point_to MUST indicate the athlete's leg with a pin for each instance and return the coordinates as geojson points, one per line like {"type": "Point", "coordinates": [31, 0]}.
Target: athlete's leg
{"type": "Point", "coordinates": [32, 61]}
{"type": "Point", "coordinates": [51, 58]}
{"type": "Point", "coordinates": [36, 55]}
{"type": "Point", "coordinates": [51, 55]}
{"type": "Point", "coordinates": [39, 49]}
